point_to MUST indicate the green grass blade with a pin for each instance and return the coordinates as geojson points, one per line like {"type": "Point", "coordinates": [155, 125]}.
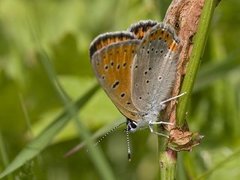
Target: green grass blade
{"type": "Point", "coordinates": [221, 164]}
{"type": "Point", "coordinates": [40, 142]}
{"type": "Point", "coordinates": [45, 61]}
{"type": "Point", "coordinates": [4, 155]}
{"type": "Point", "coordinates": [98, 134]}
{"type": "Point", "coordinates": [95, 154]}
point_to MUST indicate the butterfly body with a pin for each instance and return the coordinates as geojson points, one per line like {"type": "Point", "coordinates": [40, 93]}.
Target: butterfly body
{"type": "Point", "coordinates": [137, 69]}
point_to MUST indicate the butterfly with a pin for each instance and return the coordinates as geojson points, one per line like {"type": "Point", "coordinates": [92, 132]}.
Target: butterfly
{"type": "Point", "coordinates": [137, 69]}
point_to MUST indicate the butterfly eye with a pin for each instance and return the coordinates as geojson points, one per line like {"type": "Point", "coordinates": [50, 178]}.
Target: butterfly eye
{"type": "Point", "coordinates": [131, 125]}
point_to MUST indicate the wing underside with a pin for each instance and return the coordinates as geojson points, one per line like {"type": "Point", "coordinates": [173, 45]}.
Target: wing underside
{"type": "Point", "coordinates": [154, 68]}
{"type": "Point", "coordinates": [112, 66]}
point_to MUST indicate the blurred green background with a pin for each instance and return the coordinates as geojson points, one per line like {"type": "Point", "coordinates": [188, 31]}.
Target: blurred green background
{"type": "Point", "coordinates": [63, 29]}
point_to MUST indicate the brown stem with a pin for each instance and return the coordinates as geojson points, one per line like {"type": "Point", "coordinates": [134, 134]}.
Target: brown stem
{"type": "Point", "coordinates": [184, 16]}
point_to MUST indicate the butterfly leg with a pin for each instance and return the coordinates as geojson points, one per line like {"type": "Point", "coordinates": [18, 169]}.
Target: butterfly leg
{"type": "Point", "coordinates": [158, 133]}
{"type": "Point", "coordinates": [162, 106]}
{"type": "Point", "coordinates": [160, 122]}
{"type": "Point", "coordinates": [163, 103]}
{"type": "Point", "coordinates": [151, 123]}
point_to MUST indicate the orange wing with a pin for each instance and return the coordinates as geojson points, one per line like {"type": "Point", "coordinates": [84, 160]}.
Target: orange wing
{"type": "Point", "coordinates": [112, 57]}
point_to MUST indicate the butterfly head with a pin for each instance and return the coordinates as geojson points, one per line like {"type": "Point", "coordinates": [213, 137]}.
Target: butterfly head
{"type": "Point", "coordinates": [144, 122]}
{"type": "Point", "coordinates": [132, 126]}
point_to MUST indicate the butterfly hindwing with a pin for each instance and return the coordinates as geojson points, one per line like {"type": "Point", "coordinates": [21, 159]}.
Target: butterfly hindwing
{"type": "Point", "coordinates": [141, 28]}
{"type": "Point", "coordinates": [154, 68]}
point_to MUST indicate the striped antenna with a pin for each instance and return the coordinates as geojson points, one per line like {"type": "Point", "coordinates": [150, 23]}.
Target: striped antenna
{"type": "Point", "coordinates": [81, 145]}
{"type": "Point", "coordinates": [107, 133]}
{"type": "Point", "coordinates": [128, 145]}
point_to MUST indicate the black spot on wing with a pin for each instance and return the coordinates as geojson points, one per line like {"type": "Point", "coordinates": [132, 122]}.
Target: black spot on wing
{"type": "Point", "coordinates": [115, 84]}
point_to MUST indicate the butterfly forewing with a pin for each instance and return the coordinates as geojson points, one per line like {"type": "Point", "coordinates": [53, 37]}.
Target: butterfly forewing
{"type": "Point", "coordinates": [112, 65]}
{"type": "Point", "coordinates": [154, 68]}
{"type": "Point", "coordinates": [106, 39]}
